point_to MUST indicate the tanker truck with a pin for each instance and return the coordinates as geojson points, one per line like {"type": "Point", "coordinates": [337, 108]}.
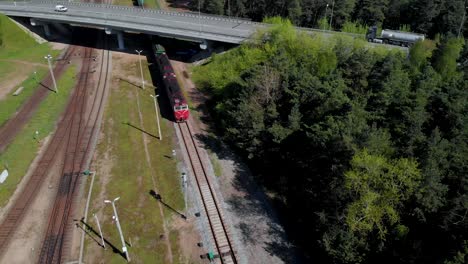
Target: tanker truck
{"type": "Point", "coordinates": [393, 37]}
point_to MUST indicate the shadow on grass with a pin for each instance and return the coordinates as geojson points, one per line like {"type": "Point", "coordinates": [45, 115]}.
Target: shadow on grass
{"type": "Point", "coordinates": [91, 232]}
{"type": "Point", "coordinates": [159, 198]}
{"type": "Point", "coordinates": [131, 83]}
{"type": "Point", "coordinates": [47, 87]}
{"type": "Point", "coordinates": [137, 128]}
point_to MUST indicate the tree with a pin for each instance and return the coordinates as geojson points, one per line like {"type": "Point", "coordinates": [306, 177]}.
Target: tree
{"type": "Point", "coordinates": [432, 194]}
{"type": "Point", "coordinates": [342, 11]}
{"type": "Point", "coordinates": [446, 56]}
{"type": "Point", "coordinates": [450, 17]}
{"type": "Point", "coordinates": [371, 12]}
{"type": "Point", "coordinates": [420, 53]}
{"type": "Point", "coordinates": [295, 11]}
{"type": "Point", "coordinates": [379, 187]}
{"type": "Point", "coordinates": [334, 129]}
{"type": "Point", "coordinates": [423, 14]}
{"type": "Point", "coordinates": [214, 6]}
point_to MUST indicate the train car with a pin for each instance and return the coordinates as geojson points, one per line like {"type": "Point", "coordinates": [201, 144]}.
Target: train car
{"type": "Point", "coordinates": [176, 98]}
{"type": "Point", "coordinates": [393, 37]}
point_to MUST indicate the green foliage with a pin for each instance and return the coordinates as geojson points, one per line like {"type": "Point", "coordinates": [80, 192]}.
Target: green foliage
{"type": "Point", "coordinates": [372, 12]}
{"type": "Point", "coordinates": [445, 59]}
{"type": "Point", "coordinates": [324, 24]}
{"type": "Point", "coordinates": [295, 11]}
{"type": "Point", "coordinates": [333, 127]}
{"type": "Point", "coordinates": [354, 27]}
{"type": "Point", "coordinates": [405, 28]}
{"type": "Point", "coordinates": [421, 52]}
{"type": "Point", "coordinates": [214, 6]}
{"type": "Point", "coordinates": [18, 45]}
{"type": "Point", "coordinates": [380, 187]}
{"type": "Point", "coordinates": [460, 256]}
{"type": "Point", "coordinates": [11, 104]}
{"type": "Point", "coordinates": [1, 34]}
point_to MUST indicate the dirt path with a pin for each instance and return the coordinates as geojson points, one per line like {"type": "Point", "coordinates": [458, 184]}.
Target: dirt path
{"type": "Point", "coordinates": [146, 142]}
{"type": "Point", "coordinates": [13, 79]}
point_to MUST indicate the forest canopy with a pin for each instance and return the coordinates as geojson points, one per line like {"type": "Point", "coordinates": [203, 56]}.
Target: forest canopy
{"type": "Point", "coordinates": [365, 148]}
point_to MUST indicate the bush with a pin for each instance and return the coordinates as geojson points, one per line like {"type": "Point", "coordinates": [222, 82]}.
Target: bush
{"type": "Point", "coordinates": [354, 27]}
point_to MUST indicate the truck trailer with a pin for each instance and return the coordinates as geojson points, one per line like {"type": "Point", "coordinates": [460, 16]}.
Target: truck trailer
{"type": "Point", "coordinates": [393, 37]}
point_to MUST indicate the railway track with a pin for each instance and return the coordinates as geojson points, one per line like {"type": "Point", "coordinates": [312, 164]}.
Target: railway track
{"type": "Point", "coordinates": [213, 210]}
{"type": "Point", "coordinates": [9, 130]}
{"type": "Point", "coordinates": [57, 238]}
{"type": "Point", "coordinates": [16, 213]}
{"type": "Point", "coordinates": [73, 138]}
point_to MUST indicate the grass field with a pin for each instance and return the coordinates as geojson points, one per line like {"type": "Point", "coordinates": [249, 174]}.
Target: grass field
{"type": "Point", "coordinates": [21, 152]}
{"type": "Point", "coordinates": [10, 104]}
{"type": "Point", "coordinates": [132, 176]}
{"type": "Point", "coordinates": [18, 45]}
{"type": "Point", "coordinates": [18, 52]}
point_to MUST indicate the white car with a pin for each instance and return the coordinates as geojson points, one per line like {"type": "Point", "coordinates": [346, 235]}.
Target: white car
{"type": "Point", "coordinates": [60, 8]}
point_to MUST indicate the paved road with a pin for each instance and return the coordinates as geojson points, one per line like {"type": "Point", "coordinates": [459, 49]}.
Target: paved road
{"type": "Point", "coordinates": [149, 21]}
{"type": "Point", "coordinates": [185, 25]}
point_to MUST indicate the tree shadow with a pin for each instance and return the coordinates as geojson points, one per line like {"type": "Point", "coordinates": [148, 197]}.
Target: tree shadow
{"type": "Point", "coordinates": [139, 129]}
{"type": "Point", "coordinates": [159, 198]}
{"type": "Point", "coordinates": [252, 205]}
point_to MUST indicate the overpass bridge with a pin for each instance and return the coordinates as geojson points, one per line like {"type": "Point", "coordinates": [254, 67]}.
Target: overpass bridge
{"type": "Point", "coordinates": [116, 19]}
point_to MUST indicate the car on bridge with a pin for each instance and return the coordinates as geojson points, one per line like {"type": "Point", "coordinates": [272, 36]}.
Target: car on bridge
{"type": "Point", "coordinates": [60, 8]}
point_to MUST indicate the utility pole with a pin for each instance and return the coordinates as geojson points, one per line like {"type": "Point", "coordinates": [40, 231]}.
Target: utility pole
{"type": "Point", "coordinates": [157, 114]}
{"type": "Point", "coordinates": [116, 217]}
{"type": "Point", "coordinates": [462, 22]}
{"type": "Point", "coordinates": [331, 16]}
{"type": "Point", "coordinates": [100, 231]}
{"type": "Point", "coordinates": [141, 69]}
{"type": "Point", "coordinates": [229, 8]}
{"type": "Point", "coordinates": [49, 57]}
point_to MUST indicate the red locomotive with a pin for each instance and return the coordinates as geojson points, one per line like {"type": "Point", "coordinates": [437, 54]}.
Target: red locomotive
{"type": "Point", "coordinates": [176, 98]}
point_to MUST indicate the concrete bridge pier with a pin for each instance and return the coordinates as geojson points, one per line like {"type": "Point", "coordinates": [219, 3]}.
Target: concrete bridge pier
{"type": "Point", "coordinates": [45, 25]}
{"type": "Point", "coordinates": [120, 39]}
{"type": "Point", "coordinates": [46, 30]}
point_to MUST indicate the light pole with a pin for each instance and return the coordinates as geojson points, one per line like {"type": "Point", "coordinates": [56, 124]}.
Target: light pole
{"type": "Point", "coordinates": [49, 57]}
{"type": "Point", "coordinates": [326, 12]}
{"type": "Point", "coordinates": [229, 9]}
{"type": "Point", "coordinates": [100, 231]}
{"type": "Point", "coordinates": [199, 16]}
{"type": "Point", "coordinates": [462, 22]}
{"type": "Point", "coordinates": [157, 114]}
{"type": "Point", "coordinates": [141, 69]}
{"type": "Point", "coordinates": [331, 16]}
{"type": "Point", "coordinates": [124, 248]}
